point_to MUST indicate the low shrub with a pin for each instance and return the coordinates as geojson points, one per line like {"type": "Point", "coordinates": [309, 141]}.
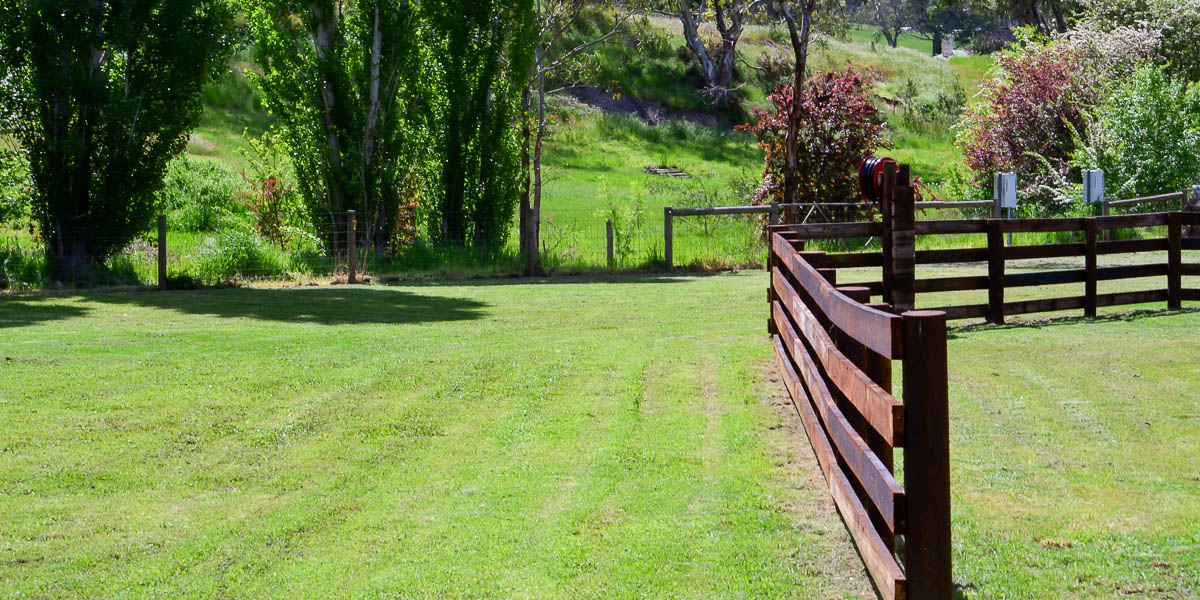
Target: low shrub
{"type": "Point", "coordinates": [236, 253]}
{"type": "Point", "coordinates": [200, 195]}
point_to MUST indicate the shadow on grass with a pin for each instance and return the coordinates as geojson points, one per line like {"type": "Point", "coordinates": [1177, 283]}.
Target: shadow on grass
{"type": "Point", "coordinates": [333, 305]}
{"type": "Point", "coordinates": [23, 312]}
{"type": "Point", "coordinates": [1125, 317]}
{"type": "Point", "coordinates": [584, 278]}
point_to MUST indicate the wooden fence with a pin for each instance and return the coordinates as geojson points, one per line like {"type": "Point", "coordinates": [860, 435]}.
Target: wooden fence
{"type": "Point", "coordinates": [898, 258]}
{"type": "Point", "coordinates": [835, 356]}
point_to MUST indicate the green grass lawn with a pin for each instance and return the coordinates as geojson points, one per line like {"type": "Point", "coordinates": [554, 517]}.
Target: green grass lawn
{"type": "Point", "coordinates": [570, 439]}
{"type": "Point", "coordinates": [614, 437]}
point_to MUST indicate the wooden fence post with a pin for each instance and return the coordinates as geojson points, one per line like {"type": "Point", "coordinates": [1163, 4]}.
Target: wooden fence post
{"type": "Point", "coordinates": [886, 240]}
{"type": "Point", "coordinates": [995, 251]}
{"type": "Point", "coordinates": [904, 239]}
{"type": "Point", "coordinates": [612, 259]}
{"type": "Point", "coordinates": [773, 215]}
{"type": "Point", "coordinates": [927, 554]}
{"type": "Point", "coordinates": [1089, 268]}
{"type": "Point", "coordinates": [352, 247]}
{"type": "Point", "coordinates": [162, 252]}
{"type": "Point", "coordinates": [668, 238]}
{"type": "Point", "coordinates": [1105, 211]}
{"type": "Point", "coordinates": [1174, 260]}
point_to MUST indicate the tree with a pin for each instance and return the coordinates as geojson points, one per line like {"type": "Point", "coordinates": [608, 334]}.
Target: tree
{"type": "Point", "coordinates": [717, 60]}
{"type": "Point", "coordinates": [101, 96]}
{"type": "Point", "coordinates": [799, 36]}
{"type": "Point", "coordinates": [890, 17]}
{"type": "Point", "coordinates": [838, 126]}
{"type": "Point", "coordinates": [334, 75]}
{"type": "Point", "coordinates": [554, 19]}
{"type": "Point", "coordinates": [483, 51]}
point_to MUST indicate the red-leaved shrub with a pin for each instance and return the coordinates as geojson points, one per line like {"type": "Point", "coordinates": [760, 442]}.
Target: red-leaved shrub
{"type": "Point", "coordinates": [1033, 107]}
{"type": "Point", "coordinates": [839, 127]}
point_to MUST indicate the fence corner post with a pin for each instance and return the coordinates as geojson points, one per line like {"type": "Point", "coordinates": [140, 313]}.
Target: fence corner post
{"type": "Point", "coordinates": [773, 215]}
{"type": "Point", "coordinates": [1174, 260]}
{"type": "Point", "coordinates": [352, 247]}
{"type": "Point", "coordinates": [927, 455]}
{"type": "Point", "coordinates": [608, 226]}
{"type": "Point", "coordinates": [162, 252]}
{"type": "Point", "coordinates": [903, 234]}
{"type": "Point", "coordinates": [1089, 267]}
{"type": "Point", "coordinates": [995, 253]}
{"type": "Point", "coordinates": [668, 238]}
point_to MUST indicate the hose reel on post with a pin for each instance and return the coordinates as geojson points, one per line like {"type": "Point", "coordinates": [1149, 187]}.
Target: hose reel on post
{"type": "Point", "coordinates": [870, 177]}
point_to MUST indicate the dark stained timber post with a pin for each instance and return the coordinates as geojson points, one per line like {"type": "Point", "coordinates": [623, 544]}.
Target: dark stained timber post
{"type": "Point", "coordinates": [927, 456]}
{"type": "Point", "coordinates": [1174, 260]}
{"type": "Point", "coordinates": [1089, 267]}
{"type": "Point", "coordinates": [995, 251]}
{"type": "Point", "coordinates": [904, 237]}
{"type": "Point", "coordinates": [352, 247]}
{"type": "Point", "coordinates": [162, 252]}
{"type": "Point", "coordinates": [668, 241]}
{"type": "Point", "coordinates": [608, 226]}
{"type": "Point", "coordinates": [887, 241]}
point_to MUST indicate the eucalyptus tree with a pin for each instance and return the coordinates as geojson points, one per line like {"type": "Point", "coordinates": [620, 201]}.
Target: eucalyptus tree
{"type": "Point", "coordinates": [101, 95]}
{"type": "Point", "coordinates": [336, 74]}
{"type": "Point", "coordinates": [719, 57]}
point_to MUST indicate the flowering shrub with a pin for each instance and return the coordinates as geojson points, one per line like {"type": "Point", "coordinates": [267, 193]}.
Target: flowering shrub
{"type": "Point", "coordinates": [840, 125]}
{"type": "Point", "coordinates": [1146, 136]}
{"type": "Point", "coordinates": [1035, 104]}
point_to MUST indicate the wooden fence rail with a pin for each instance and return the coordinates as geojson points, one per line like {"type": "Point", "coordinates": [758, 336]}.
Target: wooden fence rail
{"type": "Point", "coordinates": [835, 356]}
{"type": "Point", "coordinates": [996, 254]}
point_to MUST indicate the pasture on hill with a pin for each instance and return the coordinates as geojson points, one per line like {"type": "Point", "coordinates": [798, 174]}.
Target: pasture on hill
{"type": "Point", "coordinates": [568, 438]}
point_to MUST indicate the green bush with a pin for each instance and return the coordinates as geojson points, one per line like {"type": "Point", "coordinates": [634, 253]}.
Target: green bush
{"type": "Point", "coordinates": [21, 268]}
{"type": "Point", "coordinates": [237, 253]}
{"type": "Point", "coordinates": [14, 186]}
{"type": "Point", "coordinates": [1145, 136]}
{"type": "Point", "coordinates": [200, 195]}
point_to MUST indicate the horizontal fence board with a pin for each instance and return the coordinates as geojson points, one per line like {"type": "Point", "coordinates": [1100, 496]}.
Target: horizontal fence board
{"type": "Point", "coordinates": [1044, 278]}
{"type": "Point", "coordinates": [1130, 272]}
{"type": "Point", "coordinates": [1192, 269]}
{"type": "Point", "coordinates": [966, 311]}
{"type": "Point", "coordinates": [951, 227]}
{"type": "Point", "coordinates": [1123, 298]}
{"type": "Point", "coordinates": [1044, 251]}
{"type": "Point", "coordinates": [1044, 305]}
{"type": "Point", "coordinates": [1040, 225]}
{"type": "Point", "coordinates": [815, 231]}
{"type": "Point", "coordinates": [880, 409]}
{"type": "Point", "coordinates": [881, 487]}
{"type": "Point", "coordinates": [1191, 218]}
{"type": "Point", "coordinates": [955, 255]}
{"type": "Point", "coordinates": [1131, 246]}
{"type": "Point", "coordinates": [1172, 197]}
{"type": "Point", "coordinates": [881, 564]}
{"type": "Point", "coordinates": [1191, 243]}
{"type": "Point", "coordinates": [854, 260]}
{"type": "Point", "coordinates": [951, 284]}
{"type": "Point", "coordinates": [926, 204]}
{"type": "Point", "coordinates": [720, 210]}
{"type": "Point", "coordinates": [875, 329]}
{"type": "Point", "coordinates": [1191, 295]}
{"type": "Point", "coordinates": [1127, 221]}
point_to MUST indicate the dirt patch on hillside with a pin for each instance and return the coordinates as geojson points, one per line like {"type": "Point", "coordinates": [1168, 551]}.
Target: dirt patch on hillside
{"type": "Point", "coordinates": [650, 112]}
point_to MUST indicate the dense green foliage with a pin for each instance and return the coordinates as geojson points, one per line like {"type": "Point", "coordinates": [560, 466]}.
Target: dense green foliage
{"type": "Point", "coordinates": [1145, 136]}
{"type": "Point", "coordinates": [101, 99]}
{"type": "Point", "coordinates": [338, 77]}
{"type": "Point", "coordinates": [483, 50]}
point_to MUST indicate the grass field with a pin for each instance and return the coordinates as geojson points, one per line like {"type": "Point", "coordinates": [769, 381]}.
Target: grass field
{"type": "Point", "coordinates": [611, 438]}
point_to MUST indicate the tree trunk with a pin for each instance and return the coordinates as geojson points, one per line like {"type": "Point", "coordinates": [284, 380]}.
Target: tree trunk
{"type": "Point", "coordinates": [524, 228]}
{"type": "Point", "coordinates": [539, 136]}
{"type": "Point", "coordinates": [800, 50]}
{"type": "Point", "coordinates": [937, 41]}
